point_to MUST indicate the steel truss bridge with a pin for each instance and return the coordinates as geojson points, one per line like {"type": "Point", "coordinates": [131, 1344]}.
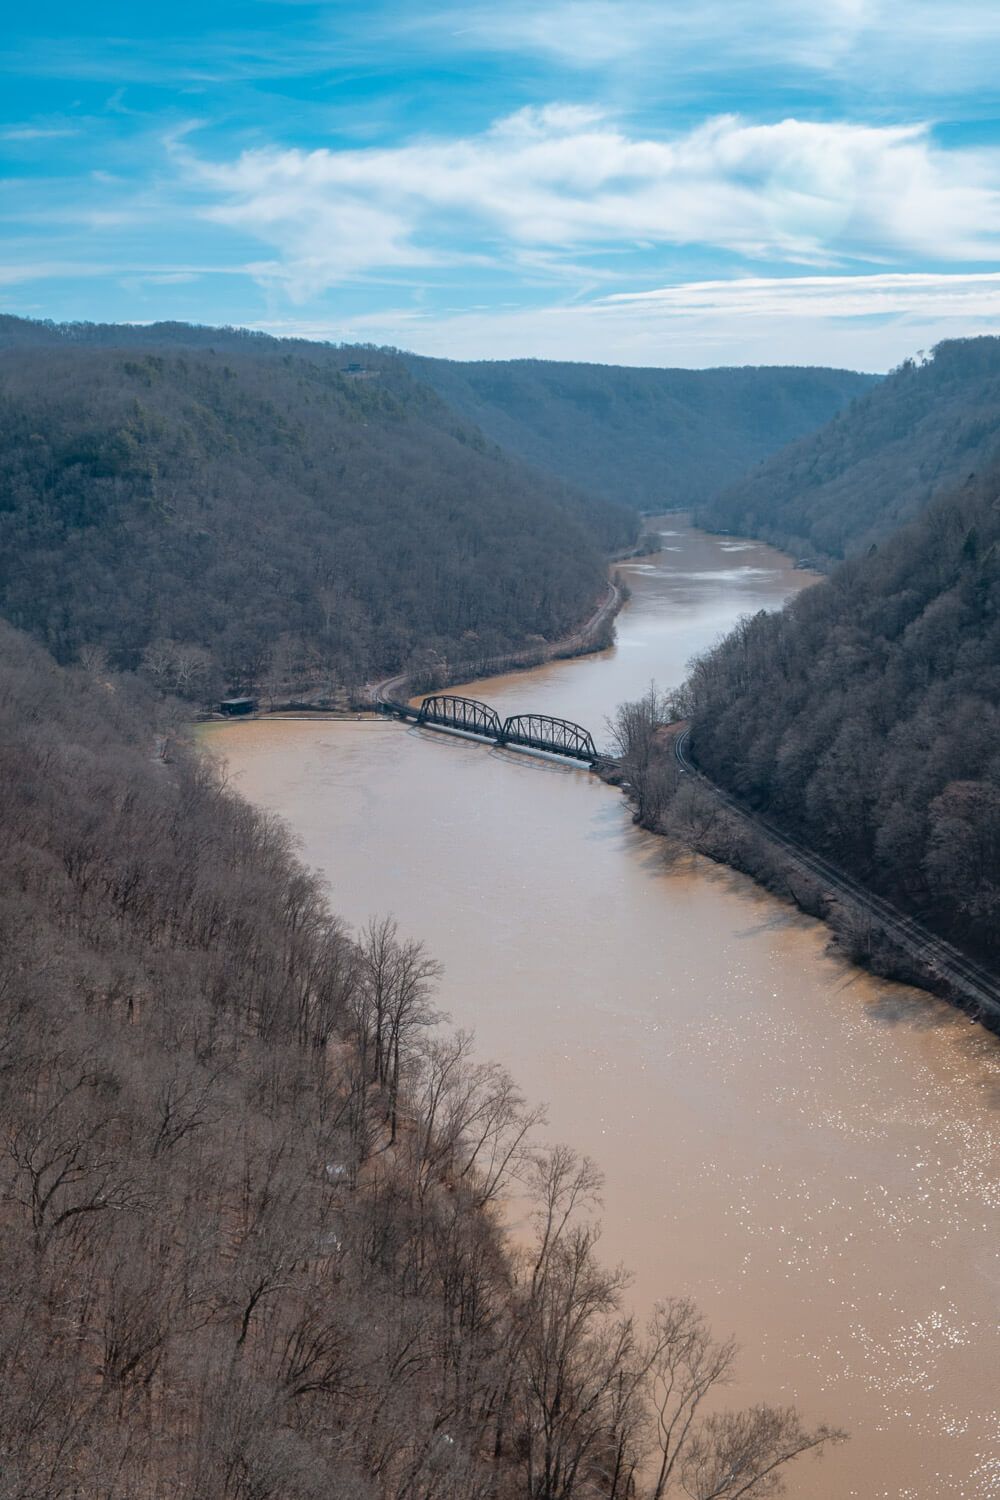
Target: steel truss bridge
{"type": "Point", "coordinates": [528, 731]}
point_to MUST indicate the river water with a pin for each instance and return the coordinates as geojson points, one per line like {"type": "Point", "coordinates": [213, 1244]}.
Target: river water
{"type": "Point", "coordinates": [810, 1153]}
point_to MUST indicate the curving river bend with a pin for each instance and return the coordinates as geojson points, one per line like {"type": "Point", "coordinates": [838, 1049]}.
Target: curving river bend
{"type": "Point", "coordinates": [810, 1153]}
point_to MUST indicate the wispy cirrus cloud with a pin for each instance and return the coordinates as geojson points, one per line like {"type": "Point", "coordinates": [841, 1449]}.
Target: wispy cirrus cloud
{"type": "Point", "coordinates": [400, 166]}
{"type": "Point", "coordinates": [933, 47]}
{"type": "Point", "coordinates": [564, 182]}
{"type": "Point", "coordinates": [27, 133]}
{"type": "Point", "coordinates": [886, 294]}
{"type": "Point", "coordinates": [13, 273]}
{"type": "Point", "coordinates": [867, 322]}
{"type": "Point", "coordinates": [596, 33]}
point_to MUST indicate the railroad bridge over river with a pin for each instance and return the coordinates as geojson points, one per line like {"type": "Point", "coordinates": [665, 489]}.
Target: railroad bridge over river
{"type": "Point", "coordinates": [528, 731]}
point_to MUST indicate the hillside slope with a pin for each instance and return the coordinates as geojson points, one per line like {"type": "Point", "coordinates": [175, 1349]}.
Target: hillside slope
{"type": "Point", "coordinates": [238, 507]}
{"type": "Point", "coordinates": [651, 438]}
{"type": "Point", "coordinates": [878, 462]}
{"type": "Point", "coordinates": [217, 1278]}
{"type": "Point", "coordinates": [865, 716]}
{"type": "Point", "coordinates": [249, 1190]}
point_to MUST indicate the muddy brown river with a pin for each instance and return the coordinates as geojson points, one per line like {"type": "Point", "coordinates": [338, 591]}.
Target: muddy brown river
{"type": "Point", "coordinates": [810, 1153]}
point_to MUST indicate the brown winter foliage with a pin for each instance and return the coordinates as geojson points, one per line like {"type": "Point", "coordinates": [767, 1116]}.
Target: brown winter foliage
{"type": "Point", "coordinates": [250, 1190]}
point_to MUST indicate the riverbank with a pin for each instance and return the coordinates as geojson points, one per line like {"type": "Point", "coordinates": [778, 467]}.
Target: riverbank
{"type": "Point", "coordinates": [864, 928]}
{"type": "Point", "coordinates": [596, 634]}
{"type": "Point", "coordinates": [807, 1151]}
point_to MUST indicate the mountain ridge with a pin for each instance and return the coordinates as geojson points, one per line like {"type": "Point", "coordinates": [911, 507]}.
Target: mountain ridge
{"type": "Point", "coordinates": [876, 463]}
{"type": "Point", "coordinates": [659, 437]}
{"type": "Point", "coordinates": [231, 494]}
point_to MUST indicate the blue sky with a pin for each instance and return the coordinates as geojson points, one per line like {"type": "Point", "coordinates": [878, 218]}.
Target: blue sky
{"type": "Point", "coordinates": [721, 182]}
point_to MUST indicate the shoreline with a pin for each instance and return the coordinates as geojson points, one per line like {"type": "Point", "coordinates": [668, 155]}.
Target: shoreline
{"type": "Point", "coordinates": [805, 939]}
{"type": "Point", "coordinates": [863, 927]}
{"type": "Point", "coordinates": [594, 635]}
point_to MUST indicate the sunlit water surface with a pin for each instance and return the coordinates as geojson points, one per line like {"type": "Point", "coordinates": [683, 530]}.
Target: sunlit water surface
{"type": "Point", "coordinates": [810, 1153]}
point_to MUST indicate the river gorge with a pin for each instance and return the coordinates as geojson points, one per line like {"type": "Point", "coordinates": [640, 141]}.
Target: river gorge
{"type": "Point", "coordinates": [807, 1151]}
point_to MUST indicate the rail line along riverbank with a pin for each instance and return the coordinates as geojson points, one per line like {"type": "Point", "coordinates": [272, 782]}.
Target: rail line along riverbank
{"type": "Point", "coordinates": [923, 956]}
{"type": "Point", "coordinates": [939, 964]}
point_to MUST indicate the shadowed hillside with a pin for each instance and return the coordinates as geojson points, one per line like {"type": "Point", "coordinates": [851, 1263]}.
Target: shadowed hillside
{"type": "Point", "coordinates": [651, 438]}
{"type": "Point", "coordinates": [878, 462]}
{"type": "Point", "coordinates": [230, 509]}
{"type": "Point", "coordinates": [865, 716]}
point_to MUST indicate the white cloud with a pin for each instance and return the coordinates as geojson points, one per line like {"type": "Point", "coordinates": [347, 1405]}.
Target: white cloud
{"type": "Point", "coordinates": [28, 269]}
{"type": "Point", "coordinates": [594, 33]}
{"type": "Point", "coordinates": [930, 46]}
{"type": "Point", "coordinates": [16, 273]}
{"type": "Point", "coordinates": [860, 322]}
{"type": "Point", "coordinates": [895, 294]}
{"type": "Point", "coordinates": [566, 182]}
{"type": "Point", "coordinates": [18, 133]}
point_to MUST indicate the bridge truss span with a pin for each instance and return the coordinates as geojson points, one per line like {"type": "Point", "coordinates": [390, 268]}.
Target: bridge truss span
{"type": "Point", "coordinates": [557, 736]}
{"type": "Point", "coordinates": [466, 714]}
{"type": "Point", "coordinates": [528, 731]}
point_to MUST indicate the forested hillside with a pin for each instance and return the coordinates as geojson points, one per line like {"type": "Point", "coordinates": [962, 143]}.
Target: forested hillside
{"type": "Point", "coordinates": [652, 438]}
{"type": "Point", "coordinates": [248, 1191]}
{"type": "Point", "coordinates": [866, 715]}
{"type": "Point", "coordinates": [878, 462]}
{"type": "Point", "coordinates": [231, 510]}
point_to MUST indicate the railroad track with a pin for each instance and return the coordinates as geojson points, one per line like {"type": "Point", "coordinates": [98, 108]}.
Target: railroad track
{"type": "Point", "coordinates": [978, 988]}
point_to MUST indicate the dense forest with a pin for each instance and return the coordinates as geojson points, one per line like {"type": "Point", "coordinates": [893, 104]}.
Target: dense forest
{"type": "Point", "coordinates": [229, 510]}
{"type": "Point", "coordinates": [865, 716]}
{"type": "Point", "coordinates": [249, 1188]}
{"type": "Point", "coordinates": [653, 438]}
{"type": "Point", "coordinates": [877, 462]}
